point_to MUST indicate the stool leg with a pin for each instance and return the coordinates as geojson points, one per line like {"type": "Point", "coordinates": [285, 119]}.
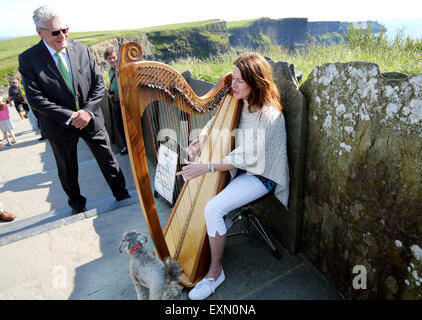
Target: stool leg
{"type": "Point", "coordinates": [255, 222]}
{"type": "Point", "coordinates": [240, 216]}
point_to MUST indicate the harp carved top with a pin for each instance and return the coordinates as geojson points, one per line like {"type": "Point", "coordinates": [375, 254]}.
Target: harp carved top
{"type": "Point", "coordinates": [133, 52]}
{"type": "Point", "coordinates": [155, 78]}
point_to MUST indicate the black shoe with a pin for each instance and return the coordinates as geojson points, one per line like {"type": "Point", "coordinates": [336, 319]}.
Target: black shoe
{"type": "Point", "coordinates": [77, 211]}
{"type": "Point", "coordinates": [42, 138]}
{"type": "Point", "coordinates": [123, 151]}
{"type": "Point", "coordinates": [122, 197]}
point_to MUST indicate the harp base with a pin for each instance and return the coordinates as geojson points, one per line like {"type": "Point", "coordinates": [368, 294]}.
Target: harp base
{"type": "Point", "coordinates": [184, 281]}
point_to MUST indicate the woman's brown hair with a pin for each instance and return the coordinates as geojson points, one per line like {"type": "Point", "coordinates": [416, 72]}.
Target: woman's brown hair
{"type": "Point", "coordinates": [257, 73]}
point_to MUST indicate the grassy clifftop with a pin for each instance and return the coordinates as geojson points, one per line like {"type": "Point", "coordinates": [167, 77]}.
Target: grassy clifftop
{"type": "Point", "coordinates": [214, 40]}
{"type": "Point", "coordinates": [202, 41]}
{"type": "Point", "coordinates": [11, 48]}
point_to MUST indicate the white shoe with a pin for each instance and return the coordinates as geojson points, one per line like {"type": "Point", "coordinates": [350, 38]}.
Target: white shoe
{"type": "Point", "coordinates": [206, 287]}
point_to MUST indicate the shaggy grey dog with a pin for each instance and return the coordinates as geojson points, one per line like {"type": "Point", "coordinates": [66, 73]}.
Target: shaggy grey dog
{"type": "Point", "coordinates": [149, 272]}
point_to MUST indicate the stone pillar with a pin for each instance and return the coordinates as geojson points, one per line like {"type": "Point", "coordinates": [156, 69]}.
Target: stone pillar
{"type": "Point", "coordinates": [363, 187]}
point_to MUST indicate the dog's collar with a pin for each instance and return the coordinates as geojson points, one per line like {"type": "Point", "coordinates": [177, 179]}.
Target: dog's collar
{"type": "Point", "coordinates": [136, 247]}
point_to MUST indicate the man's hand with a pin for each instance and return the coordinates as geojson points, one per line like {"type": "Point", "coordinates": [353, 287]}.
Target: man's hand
{"type": "Point", "coordinates": [80, 119]}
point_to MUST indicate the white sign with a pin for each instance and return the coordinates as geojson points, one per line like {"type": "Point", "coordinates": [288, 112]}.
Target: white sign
{"type": "Point", "coordinates": [165, 174]}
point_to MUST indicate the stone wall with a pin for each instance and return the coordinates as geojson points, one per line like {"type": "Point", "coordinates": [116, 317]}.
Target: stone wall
{"type": "Point", "coordinates": [286, 223]}
{"type": "Point", "coordinates": [363, 185]}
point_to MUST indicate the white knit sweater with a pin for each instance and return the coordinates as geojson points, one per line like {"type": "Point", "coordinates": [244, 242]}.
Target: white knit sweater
{"type": "Point", "coordinates": [260, 148]}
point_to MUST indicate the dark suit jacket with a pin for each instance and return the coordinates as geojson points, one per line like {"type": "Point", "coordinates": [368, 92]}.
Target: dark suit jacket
{"type": "Point", "coordinates": [47, 91]}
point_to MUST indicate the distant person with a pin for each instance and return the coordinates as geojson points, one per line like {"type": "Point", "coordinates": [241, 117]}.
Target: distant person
{"type": "Point", "coordinates": [4, 215]}
{"type": "Point", "coordinates": [19, 99]}
{"type": "Point", "coordinates": [37, 116]}
{"type": "Point", "coordinates": [6, 125]}
{"type": "Point", "coordinates": [35, 112]}
{"type": "Point", "coordinates": [113, 93]}
{"type": "Point", "coordinates": [62, 82]}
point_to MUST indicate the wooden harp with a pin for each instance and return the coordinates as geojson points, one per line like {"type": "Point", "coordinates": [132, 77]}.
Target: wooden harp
{"type": "Point", "coordinates": [143, 87]}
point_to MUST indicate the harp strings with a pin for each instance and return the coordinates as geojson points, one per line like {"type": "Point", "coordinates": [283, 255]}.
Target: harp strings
{"type": "Point", "coordinates": [162, 88]}
{"type": "Point", "coordinates": [216, 139]}
{"type": "Point", "coordinates": [161, 116]}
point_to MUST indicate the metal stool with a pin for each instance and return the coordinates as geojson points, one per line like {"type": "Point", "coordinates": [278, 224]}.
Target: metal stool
{"type": "Point", "coordinates": [249, 218]}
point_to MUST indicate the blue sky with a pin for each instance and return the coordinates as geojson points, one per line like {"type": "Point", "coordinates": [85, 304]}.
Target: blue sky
{"type": "Point", "coordinates": [87, 15]}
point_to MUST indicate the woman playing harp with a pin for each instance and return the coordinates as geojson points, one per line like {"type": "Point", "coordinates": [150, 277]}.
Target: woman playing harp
{"type": "Point", "coordinates": [257, 164]}
{"type": "Point", "coordinates": [159, 108]}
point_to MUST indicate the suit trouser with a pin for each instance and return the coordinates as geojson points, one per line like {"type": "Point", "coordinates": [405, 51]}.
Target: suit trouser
{"type": "Point", "coordinates": [118, 120]}
{"type": "Point", "coordinates": [65, 152]}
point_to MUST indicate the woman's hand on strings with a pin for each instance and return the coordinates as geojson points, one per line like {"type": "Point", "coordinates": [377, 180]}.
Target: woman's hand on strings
{"type": "Point", "coordinates": [192, 170]}
{"type": "Point", "coordinates": [196, 144]}
{"type": "Point", "coordinates": [193, 148]}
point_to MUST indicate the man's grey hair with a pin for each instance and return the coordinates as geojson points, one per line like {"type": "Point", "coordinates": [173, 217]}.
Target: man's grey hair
{"type": "Point", "coordinates": [43, 14]}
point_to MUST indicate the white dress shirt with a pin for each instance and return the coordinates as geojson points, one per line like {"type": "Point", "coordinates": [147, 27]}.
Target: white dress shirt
{"type": "Point", "coordinates": [66, 59]}
{"type": "Point", "coordinates": [56, 58]}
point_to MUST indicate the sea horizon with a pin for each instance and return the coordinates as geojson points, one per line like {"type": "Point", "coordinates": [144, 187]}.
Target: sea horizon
{"type": "Point", "coordinates": [411, 27]}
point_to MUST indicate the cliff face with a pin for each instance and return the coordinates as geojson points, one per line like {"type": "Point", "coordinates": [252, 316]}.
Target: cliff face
{"type": "Point", "coordinates": [168, 45]}
{"type": "Point", "coordinates": [202, 42]}
{"type": "Point", "coordinates": [99, 48]}
{"type": "Point", "coordinates": [292, 33]}
{"type": "Point", "coordinates": [215, 38]}
{"type": "Point", "coordinates": [329, 32]}
{"type": "Point", "coordinates": [285, 32]}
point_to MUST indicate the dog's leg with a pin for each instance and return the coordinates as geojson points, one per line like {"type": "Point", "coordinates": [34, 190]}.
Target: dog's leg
{"type": "Point", "coordinates": [173, 291]}
{"type": "Point", "coordinates": [140, 291]}
{"type": "Point", "coordinates": [156, 293]}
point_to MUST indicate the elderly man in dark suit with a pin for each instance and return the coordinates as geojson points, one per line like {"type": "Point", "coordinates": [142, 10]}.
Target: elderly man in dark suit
{"type": "Point", "coordinates": [62, 82]}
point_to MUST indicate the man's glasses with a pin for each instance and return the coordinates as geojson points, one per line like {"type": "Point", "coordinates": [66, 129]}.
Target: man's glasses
{"type": "Point", "coordinates": [57, 32]}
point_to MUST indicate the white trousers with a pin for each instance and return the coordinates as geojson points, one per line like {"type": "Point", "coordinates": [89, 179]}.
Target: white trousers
{"type": "Point", "coordinates": [241, 190]}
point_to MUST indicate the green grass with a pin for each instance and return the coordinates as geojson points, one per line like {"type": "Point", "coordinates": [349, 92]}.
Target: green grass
{"type": "Point", "coordinates": [177, 26]}
{"type": "Point", "coordinates": [209, 69]}
{"type": "Point", "coordinates": [11, 48]}
{"type": "Point", "coordinates": [403, 54]}
{"type": "Point", "coordinates": [241, 23]}
{"type": "Point", "coordinates": [9, 51]}
{"type": "Point", "coordinates": [92, 37]}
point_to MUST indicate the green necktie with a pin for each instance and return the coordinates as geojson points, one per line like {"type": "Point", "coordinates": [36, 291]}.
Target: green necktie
{"type": "Point", "coordinates": [66, 75]}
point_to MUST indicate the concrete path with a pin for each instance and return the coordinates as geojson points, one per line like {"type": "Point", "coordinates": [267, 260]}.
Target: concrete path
{"type": "Point", "coordinates": [47, 253]}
